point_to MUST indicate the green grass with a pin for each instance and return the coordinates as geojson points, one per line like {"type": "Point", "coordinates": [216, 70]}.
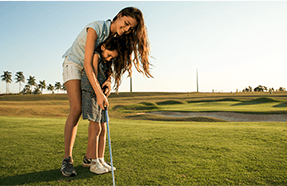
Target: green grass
{"type": "Point", "coordinates": [229, 106]}
{"type": "Point", "coordinates": [126, 105]}
{"type": "Point", "coordinates": [263, 105]}
{"type": "Point", "coordinates": [164, 151]}
{"type": "Point", "coordinates": [148, 153]}
{"type": "Point", "coordinates": [37, 97]}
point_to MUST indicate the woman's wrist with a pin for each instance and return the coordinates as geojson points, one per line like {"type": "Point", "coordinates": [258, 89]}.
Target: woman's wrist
{"type": "Point", "coordinates": [99, 93]}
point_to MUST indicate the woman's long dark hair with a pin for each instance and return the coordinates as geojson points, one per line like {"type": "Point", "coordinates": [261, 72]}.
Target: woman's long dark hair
{"type": "Point", "coordinates": [136, 45]}
{"type": "Point", "coordinates": [132, 48]}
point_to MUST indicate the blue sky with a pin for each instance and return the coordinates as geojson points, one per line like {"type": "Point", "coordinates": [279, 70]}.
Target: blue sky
{"type": "Point", "coordinates": [233, 44]}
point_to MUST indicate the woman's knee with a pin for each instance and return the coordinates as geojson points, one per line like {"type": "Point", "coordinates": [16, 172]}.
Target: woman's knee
{"type": "Point", "coordinates": [76, 110]}
{"type": "Point", "coordinates": [75, 96]}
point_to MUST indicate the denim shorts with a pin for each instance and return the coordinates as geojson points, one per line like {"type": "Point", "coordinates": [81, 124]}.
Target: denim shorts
{"type": "Point", "coordinates": [71, 71]}
{"type": "Point", "coordinates": [90, 109]}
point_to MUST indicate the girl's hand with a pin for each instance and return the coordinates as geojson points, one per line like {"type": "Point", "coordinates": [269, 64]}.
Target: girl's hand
{"type": "Point", "coordinates": [108, 89]}
{"type": "Point", "coordinates": [102, 101]}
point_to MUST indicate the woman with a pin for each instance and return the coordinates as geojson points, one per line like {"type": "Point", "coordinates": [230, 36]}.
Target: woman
{"type": "Point", "coordinates": [127, 24]}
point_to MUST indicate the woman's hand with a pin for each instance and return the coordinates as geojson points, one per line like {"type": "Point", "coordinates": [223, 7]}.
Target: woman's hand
{"type": "Point", "coordinates": [102, 101]}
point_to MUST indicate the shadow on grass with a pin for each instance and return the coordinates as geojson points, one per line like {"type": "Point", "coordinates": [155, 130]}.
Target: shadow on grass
{"type": "Point", "coordinates": [217, 100]}
{"type": "Point", "coordinates": [257, 101]}
{"type": "Point", "coordinates": [153, 117]}
{"type": "Point", "coordinates": [281, 105]}
{"type": "Point", "coordinates": [46, 176]}
{"type": "Point", "coordinates": [246, 103]}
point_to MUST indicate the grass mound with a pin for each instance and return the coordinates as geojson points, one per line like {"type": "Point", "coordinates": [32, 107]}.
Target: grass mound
{"type": "Point", "coordinates": [153, 117]}
{"type": "Point", "coordinates": [170, 102]}
{"type": "Point", "coordinates": [118, 107]}
{"type": "Point", "coordinates": [214, 100]}
{"type": "Point", "coordinates": [228, 99]}
{"type": "Point", "coordinates": [139, 106]}
{"type": "Point", "coordinates": [264, 100]}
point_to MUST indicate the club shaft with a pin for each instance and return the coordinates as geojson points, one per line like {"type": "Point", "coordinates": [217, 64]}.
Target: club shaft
{"type": "Point", "coordinates": [110, 147]}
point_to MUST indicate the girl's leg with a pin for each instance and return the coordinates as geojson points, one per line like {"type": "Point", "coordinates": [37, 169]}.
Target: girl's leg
{"type": "Point", "coordinates": [93, 140]}
{"type": "Point", "coordinates": [93, 143]}
{"type": "Point", "coordinates": [73, 88]}
{"type": "Point", "coordinates": [102, 145]}
{"type": "Point", "coordinates": [102, 140]}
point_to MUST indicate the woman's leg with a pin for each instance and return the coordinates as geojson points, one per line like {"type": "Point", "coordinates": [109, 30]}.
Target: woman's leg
{"type": "Point", "coordinates": [73, 88]}
{"type": "Point", "coordinates": [93, 140]}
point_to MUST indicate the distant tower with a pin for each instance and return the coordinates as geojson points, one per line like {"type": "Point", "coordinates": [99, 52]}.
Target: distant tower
{"type": "Point", "coordinates": [197, 80]}
{"type": "Point", "coordinates": [131, 84]}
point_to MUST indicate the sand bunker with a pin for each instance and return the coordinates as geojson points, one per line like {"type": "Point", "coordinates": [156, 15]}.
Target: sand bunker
{"type": "Point", "coordinates": [228, 116]}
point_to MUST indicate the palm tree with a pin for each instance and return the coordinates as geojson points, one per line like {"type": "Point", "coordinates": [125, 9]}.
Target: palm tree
{"type": "Point", "coordinates": [260, 88]}
{"type": "Point", "coordinates": [282, 89]}
{"type": "Point", "coordinates": [20, 78]}
{"type": "Point", "coordinates": [42, 85]}
{"type": "Point", "coordinates": [8, 78]}
{"type": "Point", "coordinates": [26, 90]}
{"type": "Point", "coordinates": [64, 88]}
{"type": "Point", "coordinates": [37, 90]}
{"type": "Point", "coordinates": [32, 81]}
{"type": "Point", "coordinates": [51, 88]}
{"type": "Point", "coordinates": [58, 86]}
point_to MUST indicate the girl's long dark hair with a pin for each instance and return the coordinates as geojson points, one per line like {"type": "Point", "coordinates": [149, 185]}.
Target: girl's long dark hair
{"type": "Point", "coordinates": [117, 67]}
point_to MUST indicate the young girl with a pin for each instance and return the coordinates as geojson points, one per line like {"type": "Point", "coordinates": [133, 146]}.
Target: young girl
{"type": "Point", "coordinates": [106, 55]}
{"type": "Point", "coordinates": [127, 24]}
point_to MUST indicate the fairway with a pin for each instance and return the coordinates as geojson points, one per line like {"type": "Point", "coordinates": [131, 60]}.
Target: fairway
{"type": "Point", "coordinates": [231, 106]}
{"type": "Point", "coordinates": [148, 153]}
{"type": "Point", "coordinates": [149, 149]}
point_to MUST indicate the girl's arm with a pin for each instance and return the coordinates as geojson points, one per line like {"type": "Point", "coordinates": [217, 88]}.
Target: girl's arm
{"type": "Point", "coordinates": [101, 98]}
{"type": "Point", "coordinates": [108, 83]}
{"type": "Point", "coordinates": [89, 55]}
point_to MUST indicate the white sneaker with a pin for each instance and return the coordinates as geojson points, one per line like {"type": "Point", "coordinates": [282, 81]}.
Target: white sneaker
{"type": "Point", "coordinates": [98, 168]}
{"type": "Point", "coordinates": [107, 166]}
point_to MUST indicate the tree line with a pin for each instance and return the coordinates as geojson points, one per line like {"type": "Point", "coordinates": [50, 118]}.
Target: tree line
{"type": "Point", "coordinates": [31, 87]}
{"type": "Point", "coordinates": [262, 88]}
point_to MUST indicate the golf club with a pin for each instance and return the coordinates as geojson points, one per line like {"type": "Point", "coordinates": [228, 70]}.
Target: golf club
{"type": "Point", "coordinates": [110, 146]}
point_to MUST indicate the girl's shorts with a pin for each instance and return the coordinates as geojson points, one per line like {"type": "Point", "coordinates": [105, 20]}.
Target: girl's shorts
{"type": "Point", "coordinates": [71, 71]}
{"type": "Point", "coordinates": [90, 109]}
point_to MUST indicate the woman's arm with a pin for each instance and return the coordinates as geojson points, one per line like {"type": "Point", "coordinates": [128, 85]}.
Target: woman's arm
{"type": "Point", "coordinates": [89, 56]}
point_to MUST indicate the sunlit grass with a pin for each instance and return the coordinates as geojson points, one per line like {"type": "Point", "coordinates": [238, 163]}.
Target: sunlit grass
{"type": "Point", "coordinates": [148, 153]}
{"type": "Point", "coordinates": [58, 105]}
{"type": "Point", "coordinates": [227, 106]}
